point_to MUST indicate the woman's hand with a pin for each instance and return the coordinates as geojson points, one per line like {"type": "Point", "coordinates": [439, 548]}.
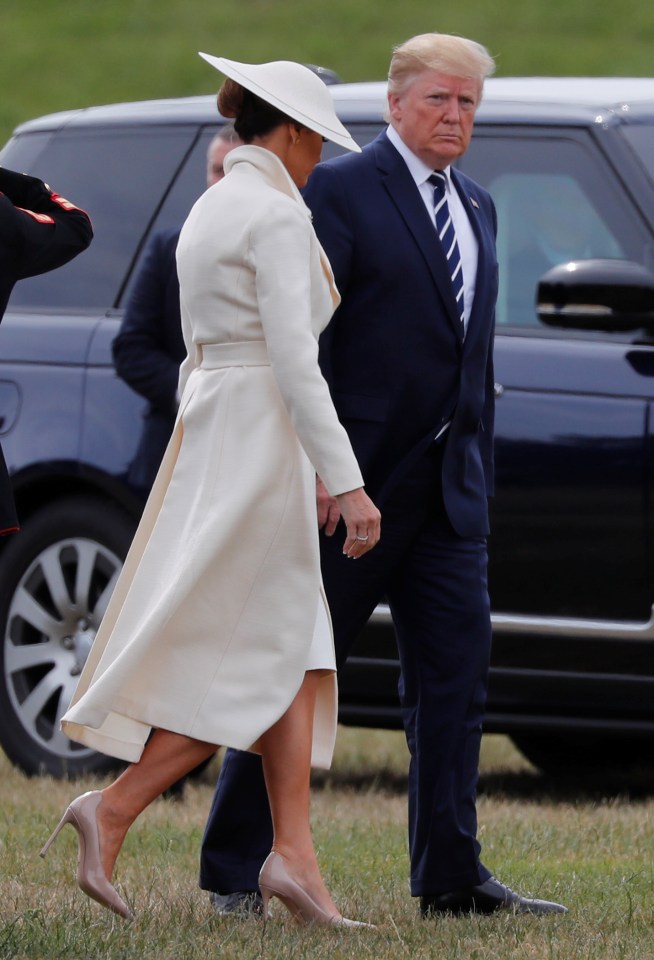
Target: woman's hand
{"type": "Point", "coordinates": [363, 522]}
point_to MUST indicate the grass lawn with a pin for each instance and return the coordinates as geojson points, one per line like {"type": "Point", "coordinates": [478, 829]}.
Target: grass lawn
{"type": "Point", "coordinates": [63, 54]}
{"type": "Point", "coordinates": [590, 851]}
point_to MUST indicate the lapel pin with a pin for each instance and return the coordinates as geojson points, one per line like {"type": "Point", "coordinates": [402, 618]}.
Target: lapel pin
{"type": "Point", "coordinates": [474, 203]}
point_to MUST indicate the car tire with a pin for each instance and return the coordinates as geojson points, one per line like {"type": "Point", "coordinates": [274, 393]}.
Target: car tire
{"type": "Point", "coordinates": [57, 575]}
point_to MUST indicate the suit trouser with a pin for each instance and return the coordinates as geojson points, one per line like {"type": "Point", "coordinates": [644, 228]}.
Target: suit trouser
{"type": "Point", "coordinates": [436, 585]}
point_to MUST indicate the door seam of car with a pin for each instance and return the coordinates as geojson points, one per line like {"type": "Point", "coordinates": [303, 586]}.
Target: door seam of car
{"type": "Point", "coordinates": [85, 384]}
{"type": "Point", "coordinates": [574, 627]}
{"type": "Point", "coordinates": [568, 626]}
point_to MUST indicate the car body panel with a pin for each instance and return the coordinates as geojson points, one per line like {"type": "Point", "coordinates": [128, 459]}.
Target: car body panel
{"type": "Point", "coordinates": [571, 555]}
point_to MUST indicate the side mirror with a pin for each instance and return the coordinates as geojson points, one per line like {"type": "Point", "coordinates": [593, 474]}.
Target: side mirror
{"type": "Point", "coordinates": [611, 295]}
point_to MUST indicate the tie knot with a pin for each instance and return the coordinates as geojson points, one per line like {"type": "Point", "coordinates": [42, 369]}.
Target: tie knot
{"type": "Point", "coordinates": [438, 180]}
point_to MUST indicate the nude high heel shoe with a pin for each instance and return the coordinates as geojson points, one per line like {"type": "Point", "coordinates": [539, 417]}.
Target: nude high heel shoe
{"type": "Point", "coordinates": [275, 881]}
{"type": "Point", "coordinates": [82, 814]}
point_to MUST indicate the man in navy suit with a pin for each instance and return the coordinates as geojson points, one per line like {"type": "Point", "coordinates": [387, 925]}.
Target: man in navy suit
{"type": "Point", "coordinates": [408, 357]}
{"type": "Point", "coordinates": [149, 346]}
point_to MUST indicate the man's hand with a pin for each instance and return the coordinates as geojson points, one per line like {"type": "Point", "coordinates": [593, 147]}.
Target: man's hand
{"type": "Point", "coordinates": [329, 512]}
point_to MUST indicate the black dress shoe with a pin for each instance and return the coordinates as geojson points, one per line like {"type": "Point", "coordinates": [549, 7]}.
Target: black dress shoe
{"type": "Point", "coordinates": [485, 898]}
{"type": "Point", "coordinates": [243, 904]}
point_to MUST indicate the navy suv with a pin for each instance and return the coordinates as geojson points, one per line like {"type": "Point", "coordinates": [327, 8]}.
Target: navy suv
{"type": "Point", "coordinates": [570, 165]}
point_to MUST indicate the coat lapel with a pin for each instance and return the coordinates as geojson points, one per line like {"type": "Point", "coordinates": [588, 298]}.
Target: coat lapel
{"type": "Point", "coordinates": [276, 174]}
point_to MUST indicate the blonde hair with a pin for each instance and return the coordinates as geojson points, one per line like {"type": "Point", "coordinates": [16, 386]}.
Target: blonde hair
{"type": "Point", "coordinates": [455, 56]}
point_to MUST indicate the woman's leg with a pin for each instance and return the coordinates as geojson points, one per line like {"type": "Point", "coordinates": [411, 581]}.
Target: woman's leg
{"type": "Point", "coordinates": [286, 749]}
{"type": "Point", "coordinates": [166, 757]}
{"type": "Point", "coordinates": [286, 752]}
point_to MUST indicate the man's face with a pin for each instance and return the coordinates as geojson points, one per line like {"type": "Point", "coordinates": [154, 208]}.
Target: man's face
{"type": "Point", "coordinates": [216, 159]}
{"type": "Point", "coordinates": [434, 116]}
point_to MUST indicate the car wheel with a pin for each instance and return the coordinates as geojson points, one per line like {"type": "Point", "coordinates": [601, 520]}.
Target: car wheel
{"type": "Point", "coordinates": [57, 575]}
{"type": "Point", "coordinates": [575, 755]}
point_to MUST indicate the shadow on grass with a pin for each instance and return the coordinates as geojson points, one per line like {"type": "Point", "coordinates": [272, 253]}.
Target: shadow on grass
{"type": "Point", "coordinates": [632, 785]}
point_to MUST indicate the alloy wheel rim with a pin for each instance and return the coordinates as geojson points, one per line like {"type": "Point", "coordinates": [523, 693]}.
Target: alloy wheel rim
{"type": "Point", "coordinates": [53, 617]}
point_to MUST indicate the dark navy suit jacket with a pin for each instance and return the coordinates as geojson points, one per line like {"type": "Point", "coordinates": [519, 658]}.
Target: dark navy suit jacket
{"type": "Point", "coordinates": [149, 349]}
{"type": "Point", "coordinates": [394, 355]}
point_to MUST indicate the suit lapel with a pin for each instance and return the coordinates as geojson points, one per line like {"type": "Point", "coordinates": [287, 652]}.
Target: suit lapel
{"type": "Point", "coordinates": [484, 265]}
{"type": "Point", "coordinates": [329, 276]}
{"type": "Point", "coordinates": [405, 196]}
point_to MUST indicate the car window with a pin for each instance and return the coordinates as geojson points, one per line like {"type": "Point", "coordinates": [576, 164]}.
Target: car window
{"type": "Point", "coordinates": [543, 220]}
{"type": "Point", "coordinates": [555, 203]}
{"type": "Point", "coordinates": [191, 181]}
{"type": "Point", "coordinates": [641, 138]}
{"type": "Point", "coordinates": [363, 133]}
{"type": "Point", "coordinates": [118, 176]}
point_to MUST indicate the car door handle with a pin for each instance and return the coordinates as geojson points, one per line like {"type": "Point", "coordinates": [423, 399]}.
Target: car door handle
{"type": "Point", "coordinates": [498, 390]}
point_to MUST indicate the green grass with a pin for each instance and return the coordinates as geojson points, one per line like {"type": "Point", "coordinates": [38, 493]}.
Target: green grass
{"type": "Point", "coordinates": [58, 54]}
{"type": "Point", "coordinates": [591, 851]}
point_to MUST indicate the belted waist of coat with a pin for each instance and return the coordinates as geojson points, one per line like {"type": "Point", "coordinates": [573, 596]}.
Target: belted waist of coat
{"type": "Point", "coordinates": [244, 353]}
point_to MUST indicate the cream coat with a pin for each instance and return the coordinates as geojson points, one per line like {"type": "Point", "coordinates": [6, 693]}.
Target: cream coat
{"type": "Point", "coordinates": [219, 609]}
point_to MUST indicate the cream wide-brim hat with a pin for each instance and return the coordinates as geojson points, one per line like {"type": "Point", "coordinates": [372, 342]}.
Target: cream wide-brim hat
{"type": "Point", "coordinates": [292, 88]}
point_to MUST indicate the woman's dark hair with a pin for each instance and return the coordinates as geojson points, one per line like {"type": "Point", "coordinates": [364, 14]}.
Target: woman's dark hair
{"type": "Point", "coordinates": [252, 116]}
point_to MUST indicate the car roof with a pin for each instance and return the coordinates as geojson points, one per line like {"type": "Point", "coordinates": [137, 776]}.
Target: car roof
{"type": "Point", "coordinates": [547, 99]}
{"type": "Point", "coordinates": [506, 99]}
{"type": "Point", "coordinates": [575, 99]}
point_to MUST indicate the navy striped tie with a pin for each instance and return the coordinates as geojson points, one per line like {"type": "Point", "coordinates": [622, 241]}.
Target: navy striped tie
{"type": "Point", "coordinates": [445, 228]}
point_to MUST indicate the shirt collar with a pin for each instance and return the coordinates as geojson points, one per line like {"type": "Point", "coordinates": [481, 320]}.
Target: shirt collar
{"type": "Point", "coordinates": [418, 169]}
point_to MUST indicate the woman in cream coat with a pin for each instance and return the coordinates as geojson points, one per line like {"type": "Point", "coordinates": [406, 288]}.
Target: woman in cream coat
{"type": "Point", "coordinates": [218, 632]}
